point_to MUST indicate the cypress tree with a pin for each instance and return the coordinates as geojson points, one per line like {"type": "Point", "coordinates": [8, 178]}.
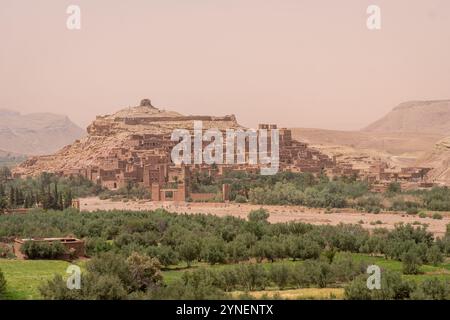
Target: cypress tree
{"type": "Point", "coordinates": [12, 198]}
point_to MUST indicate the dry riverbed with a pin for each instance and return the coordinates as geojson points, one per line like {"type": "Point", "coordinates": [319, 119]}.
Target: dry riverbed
{"type": "Point", "coordinates": [277, 213]}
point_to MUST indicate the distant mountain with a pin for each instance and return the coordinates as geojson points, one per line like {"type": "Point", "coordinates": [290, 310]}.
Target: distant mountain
{"type": "Point", "coordinates": [416, 116]}
{"type": "Point", "coordinates": [36, 133]}
{"type": "Point", "coordinates": [393, 143]}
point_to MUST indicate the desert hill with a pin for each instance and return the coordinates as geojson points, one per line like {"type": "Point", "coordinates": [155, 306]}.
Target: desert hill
{"type": "Point", "coordinates": [395, 144]}
{"type": "Point", "coordinates": [36, 133]}
{"type": "Point", "coordinates": [416, 116]}
{"type": "Point", "coordinates": [399, 149]}
{"type": "Point", "coordinates": [408, 133]}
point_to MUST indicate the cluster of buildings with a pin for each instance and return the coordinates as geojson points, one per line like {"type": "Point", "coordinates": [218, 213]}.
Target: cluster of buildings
{"type": "Point", "coordinates": [144, 159]}
{"type": "Point", "coordinates": [141, 155]}
{"type": "Point", "coordinates": [381, 175]}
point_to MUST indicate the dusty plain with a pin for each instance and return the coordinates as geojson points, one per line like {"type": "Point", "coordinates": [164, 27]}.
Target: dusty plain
{"type": "Point", "coordinates": [277, 213]}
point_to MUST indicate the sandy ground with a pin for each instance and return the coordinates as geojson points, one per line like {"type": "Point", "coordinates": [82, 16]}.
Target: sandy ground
{"type": "Point", "coordinates": [277, 213]}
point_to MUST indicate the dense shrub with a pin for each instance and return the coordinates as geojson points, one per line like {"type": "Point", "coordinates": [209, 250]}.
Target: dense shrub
{"type": "Point", "coordinates": [434, 255]}
{"type": "Point", "coordinates": [165, 254]}
{"type": "Point", "coordinates": [437, 216]}
{"type": "Point", "coordinates": [2, 284]}
{"type": "Point", "coordinates": [394, 187]}
{"type": "Point", "coordinates": [411, 261]}
{"type": "Point", "coordinates": [145, 272]}
{"type": "Point", "coordinates": [240, 199]}
{"type": "Point", "coordinates": [6, 251]}
{"type": "Point", "coordinates": [392, 287]}
{"type": "Point", "coordinates": [438, 199]}
{"type": "Point", "coordinates": [432, 289]}
{"type": "Point", "coordinates": [303, 247]}
{"type": "Point", "coordinates": [109, 277]}
{"type": "Point", "coordinates": [43, 250]}
{"type": "Point", "coordinates": [279, 275]}
{"type": "Point", "coordinates": [189, 249]}
{"type": "Point", "coordinates": [213, 250]}
{"type": "Point", "coordinates": [97, 245]}
{"type": "Point", "coordinates": [399, 204]}
{"type": "Point", "coordinates": [371, 203]}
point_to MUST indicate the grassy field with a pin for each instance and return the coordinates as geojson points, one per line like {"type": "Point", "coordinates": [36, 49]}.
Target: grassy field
{"type": "Point", "coordinates": [442, 271]}
{"type": "Point", "coordinates": [25, 276]}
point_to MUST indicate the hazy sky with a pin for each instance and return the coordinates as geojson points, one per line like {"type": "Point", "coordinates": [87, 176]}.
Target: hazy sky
{"type": "Point", "coordinates": [305, 63]}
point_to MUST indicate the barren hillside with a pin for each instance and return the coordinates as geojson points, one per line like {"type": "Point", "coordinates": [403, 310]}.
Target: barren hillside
{"type": "Point", "coordinates": [37, 133]}
{"type": "Point", "coordinates": [406, 134]}
{"type": "Point", "coordinates": [416, 116]}
{"type": "Point", "coordinates": [399, 149]}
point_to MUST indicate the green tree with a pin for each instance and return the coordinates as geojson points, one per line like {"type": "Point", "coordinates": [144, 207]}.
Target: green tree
{"type": "Point", "coordinates": [56, 289]}
{"type": "Point", "coordinates": [433, 289]}
{"type": "Point", "coordinates": [260, 215]}
{"type": "Point", "coordinates": [43, 250]}
{"type": "Point", "coordinates": [393, 287]}
{"type": "Point", "coordinates": [145, 272]}
{"type": "Point", "coordinates": [302, 247]}
{"type": "Point", "coordinates": [189, 249]}
{"type": "Point", "coordinates": [394, 187]}
{"type": "Point", "coordinates": [252, 276]}
{"type": "Point", "coordinates": [434, 255]}
{"type": "Point", "coordinates": [5, 174]}
{"type": "Point", "coordinates": [213, 250]}
{"type": "Point", "coordinates": [411, 261]}
{"type": "Point", "coordinates": [280, 274]}
{"type": "Point", "coordinates": [2, 284]}
{"type": "Point", "coordinates": [12, 197]}
{"type": "Point", "coordinates": [103, 287]}
{"type": "Point", "coordinates": [357, 289]}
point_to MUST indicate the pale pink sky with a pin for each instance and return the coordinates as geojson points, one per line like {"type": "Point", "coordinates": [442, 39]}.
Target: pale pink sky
{"type": "Point", "coordinates": [305, 63]}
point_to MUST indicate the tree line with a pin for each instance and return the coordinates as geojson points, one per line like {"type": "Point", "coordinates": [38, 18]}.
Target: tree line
{"type": "Point", "coordinates": [174, 238]}
{"type": "Point", "coordinates": [110, 276]}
